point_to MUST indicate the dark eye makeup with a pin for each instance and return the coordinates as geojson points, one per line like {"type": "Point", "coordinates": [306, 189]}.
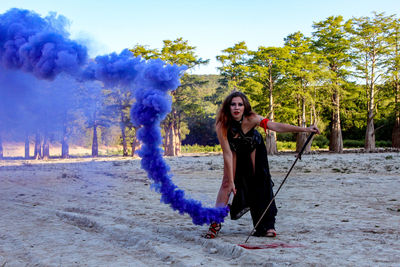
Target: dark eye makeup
{"type": "Point", "coordinates": [239, 104]}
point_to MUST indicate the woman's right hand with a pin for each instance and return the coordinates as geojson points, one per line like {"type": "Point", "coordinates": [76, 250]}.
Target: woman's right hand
{"type": "Point", "coordinates": [228, 187]}
{"type": "Point", "coordinates": [313, 129]}
{"type": "Point", "coordinates": [231, 188]}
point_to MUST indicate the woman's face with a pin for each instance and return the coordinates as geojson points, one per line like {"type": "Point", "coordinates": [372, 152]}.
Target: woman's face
{"type": "Point", "coordinates": [237, 108]}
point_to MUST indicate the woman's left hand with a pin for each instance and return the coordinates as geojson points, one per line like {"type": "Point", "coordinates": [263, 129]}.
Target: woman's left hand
{"type": "Point", "coordinates": [314, 129]}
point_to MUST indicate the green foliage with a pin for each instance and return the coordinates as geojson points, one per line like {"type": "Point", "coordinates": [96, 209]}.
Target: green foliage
{"type": "Point", "coordinates": [283, 146]}
{"type": "Point", "coordinates": [320, 141]}
{"type": "Point", "coordinates": [353, 143]}
{"type": "Point", "coordinates": [145, 52]}
{"type": "Point", "coordinates": [286, 137]}
{"type": "Point", "coordinates": [234, 65]}
{"type": "Point", "coordinates": [291, 145]}
{"type": "Point", "coordinates": [382, 143]}
{"type": "Point", "coordinates": [200, 149]}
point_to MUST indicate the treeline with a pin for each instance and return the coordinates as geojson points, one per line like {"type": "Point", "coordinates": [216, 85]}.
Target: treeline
{"type": "Point", "coordinates": [344, 78]}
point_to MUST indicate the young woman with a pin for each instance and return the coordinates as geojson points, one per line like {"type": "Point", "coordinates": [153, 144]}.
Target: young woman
{"type": "Point", "coordinates": [246, 171]}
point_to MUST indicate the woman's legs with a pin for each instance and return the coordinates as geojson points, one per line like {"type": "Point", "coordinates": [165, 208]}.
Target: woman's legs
{"type": "Point", "coordinates": [263, 195]}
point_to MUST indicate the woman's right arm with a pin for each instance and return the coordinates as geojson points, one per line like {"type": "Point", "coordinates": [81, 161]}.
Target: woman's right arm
{"type": "Point", "coordinates": [228, 179]}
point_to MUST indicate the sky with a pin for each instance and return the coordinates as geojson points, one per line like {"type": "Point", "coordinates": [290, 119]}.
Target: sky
{"type": "Point", "coordinates": [107, 26]}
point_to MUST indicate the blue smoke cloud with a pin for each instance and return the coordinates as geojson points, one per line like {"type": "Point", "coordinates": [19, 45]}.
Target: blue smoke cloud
{"type": "Point", "coordinates": [115, 70]}
{"type": "Point", "coordinates": [41, 47]}
{"type": "Point", "coordinates": [38, 45]}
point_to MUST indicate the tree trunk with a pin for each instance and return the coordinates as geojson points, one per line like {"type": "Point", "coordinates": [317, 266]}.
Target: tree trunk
{"type": "Point", "coordinates": [170, 148]}
{"type": "Point", "coordinates": [172, 136]}
{"type": "Point", "coordinates": [396, 91]}
{"type": "Point", "coordinates": [370, 134]}
{"type": "Point", "coordinates": [300, 140]}
{"type": "Point", "coordinates": [38, 147]}
{"type": "Point", "coordinates": [95, 144]}
{"type": "Point", "coordinates": [46, 147]}
{"type": "Point", "coordinates": [370, 131]}
{"type": "Point", "coordinates": [124, 143]}
{"type": "Point", "coordinates": [65, 148]}
{"type": "Point", "coordinates": [396, 128]}
{"type": "Point", "coordinates": [178, 137]}
{"type": "Point", "coordinates": [270, 143]}
{"type": "Point", "coordinates": [134, 145]}
{"type": "Point", "coordinates": [1, 148]}
{"type": "Point", "coordinates": [65, 144]}
{"type": "Point", "coordinates": [27, 146]}
{"type": "Point", "coordinates": [336, 140]}
{"type": "Point", "coordinates": [270, 140]}
{"type": "Point", "coordinates": [369, 144]}
{"type": "Point", "coordinates": [302, 137]}
{"type": "Point", "coordinates": [167, 138]}
{"type": "Point", "coordinates": [396, 133]}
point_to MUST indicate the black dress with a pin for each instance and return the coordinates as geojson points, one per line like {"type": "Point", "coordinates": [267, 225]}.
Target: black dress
{"type": "Point", "coordinates": [253, 188]}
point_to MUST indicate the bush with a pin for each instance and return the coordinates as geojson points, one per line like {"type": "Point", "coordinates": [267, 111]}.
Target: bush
{"type": "Point", "coordinates": [288, 137]}
{"type": "Point", "coordinates": [382, 143]}
{"type": "Point", "coordinates": [285, 145]}
{"type": "Point", "coordinates": [320, 141]}
{"type": "Point", "coordinates": [353, 143]}
{"type": "Point", "coordinates": [200, 149]}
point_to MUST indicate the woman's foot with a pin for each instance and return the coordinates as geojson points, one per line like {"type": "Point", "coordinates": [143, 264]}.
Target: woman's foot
{"type": "Point", "coordinates": [213, 230]}
{"type": "Point", "coordinates": [271, 233]}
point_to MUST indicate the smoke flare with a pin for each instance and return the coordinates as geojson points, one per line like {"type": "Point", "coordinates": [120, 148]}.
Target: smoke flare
{"type": "Point", "coordinates": [152, 105]}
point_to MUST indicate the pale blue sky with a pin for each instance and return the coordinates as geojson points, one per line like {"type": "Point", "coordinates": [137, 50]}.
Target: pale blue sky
{"type": "Point", "coordinates": [209, 25]}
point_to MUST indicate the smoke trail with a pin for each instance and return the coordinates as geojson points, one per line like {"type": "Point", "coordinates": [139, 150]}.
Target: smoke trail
{"type": "Point", "coordinates": [152, 105]}
{"type": "Point", "coordinates": [151, 80]}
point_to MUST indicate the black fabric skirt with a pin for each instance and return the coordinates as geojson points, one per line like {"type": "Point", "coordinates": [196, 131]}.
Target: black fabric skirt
{"type": "Point", "coordinates": [254, 189]}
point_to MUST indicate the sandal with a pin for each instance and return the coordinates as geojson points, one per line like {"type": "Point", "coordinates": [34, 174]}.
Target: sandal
{"type": "Point", "coordinates": [271, 233]}
{"type": "Point", "coordinates": [213, 230]}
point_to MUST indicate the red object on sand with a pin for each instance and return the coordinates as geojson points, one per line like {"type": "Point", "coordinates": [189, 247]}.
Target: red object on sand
{"type": "Point", "coordinates": [270, 245]}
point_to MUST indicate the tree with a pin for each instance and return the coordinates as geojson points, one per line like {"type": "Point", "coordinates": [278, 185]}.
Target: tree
{"type": "Point", "coordinates": [181, 53]}
{"type": "Point", "coordinates": [394, 78]}
{"type": "Point", "coordinates": [65, 101]}
{"type": "Point", "coordinates": [371, 47]}
{"type": "Point", "coordinates": [177, 52]}
{"type": "Point", "coordinates": [330, 41]}
{"type": "Point", "coordinates": [304, 70]}
{"type": "Point", "coordinates": [266, 67]}
{"type": "Point", "coordinates": [234, 66]}
{"type": "Point", "coordinates": [95, 112]}
{"type": "Point", "coordinates": [121, 101]}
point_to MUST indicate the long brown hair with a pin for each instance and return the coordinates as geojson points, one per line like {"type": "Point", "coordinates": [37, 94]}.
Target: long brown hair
{"type": "Point", "coordinates": [224, 116]}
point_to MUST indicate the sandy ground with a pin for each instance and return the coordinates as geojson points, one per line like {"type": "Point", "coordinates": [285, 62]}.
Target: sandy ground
{"type": "Point", "coordinates": [339, 210]}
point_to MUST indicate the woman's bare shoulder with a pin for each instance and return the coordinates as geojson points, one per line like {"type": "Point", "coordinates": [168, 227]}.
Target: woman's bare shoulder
{"type": "Point", "coordinates": [253, 118]}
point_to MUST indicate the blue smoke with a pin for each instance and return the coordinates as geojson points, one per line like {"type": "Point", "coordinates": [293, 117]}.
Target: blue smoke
{"type": "Point", "coordinates": [152, 105]}
{"type": "Point", "coordinates": [152, 80]}
{"type": "Point", "coordinates": [41, 47]}
{"type": "Point", "coordinates": [115, 70]}
{"type": "Point", "coordinates": [38, 45]}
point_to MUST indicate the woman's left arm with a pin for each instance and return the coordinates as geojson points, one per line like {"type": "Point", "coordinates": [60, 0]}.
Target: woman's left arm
{"type": "Point", "coordinates": [288, 128]}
